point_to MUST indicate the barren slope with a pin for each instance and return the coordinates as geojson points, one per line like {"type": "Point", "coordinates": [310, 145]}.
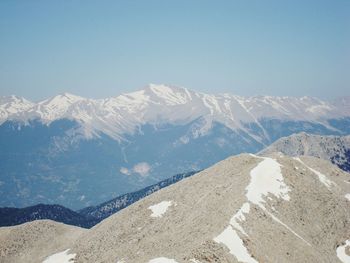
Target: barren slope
{"type": "Point", "coordinates": [32, 242]}
{"type": "Point", "coordinates": [243, 209]}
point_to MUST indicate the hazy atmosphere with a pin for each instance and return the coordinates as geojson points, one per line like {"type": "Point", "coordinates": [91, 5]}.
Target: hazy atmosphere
{"type": "Point", "coordinates": [99, 49]}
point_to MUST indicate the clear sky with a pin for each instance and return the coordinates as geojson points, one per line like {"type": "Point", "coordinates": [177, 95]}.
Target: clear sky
{"type": "Point", "coordinates": [103, 48]}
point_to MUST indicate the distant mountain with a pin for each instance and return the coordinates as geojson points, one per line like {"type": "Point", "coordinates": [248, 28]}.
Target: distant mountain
{"type": "Point", "coordinates": [79, 152]}
{"type": "Point", "coordinates": [158, 104]}
{"type": "Point", "coordinates": [332, 148]}
{"type": "Point", "coordinates": [13, 105]}
{"type": "Point", "coordinates": [243, 209]}
{"type": "Point", "coordinates": [86, 217]}
{"type": "Point", "coordinates": [14, 216]}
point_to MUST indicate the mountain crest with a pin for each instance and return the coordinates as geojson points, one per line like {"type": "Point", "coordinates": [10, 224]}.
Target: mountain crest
{"type": "Point", "coordinates": [159, 104]}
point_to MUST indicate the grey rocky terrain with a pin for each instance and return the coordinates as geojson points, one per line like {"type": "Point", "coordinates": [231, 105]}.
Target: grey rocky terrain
{"type": "Point", "coordinates": [33, 241]}
{"type": "Point", "coordinates": [243, 209]}
{"type": "Point", "coordinates": [333, 148]}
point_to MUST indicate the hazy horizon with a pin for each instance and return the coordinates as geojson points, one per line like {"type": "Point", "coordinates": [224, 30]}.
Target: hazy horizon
{"type": "Point", "coordinates": [144, 86]}
{"type": "Point", "coordinates": [102, 49]}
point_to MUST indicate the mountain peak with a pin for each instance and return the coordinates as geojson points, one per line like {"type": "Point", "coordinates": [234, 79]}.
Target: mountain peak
{"type": "Point", "coordinates": [171, 95]}
{"type": "Point", "coordinates": [62, 99]}
{"type": "Point", "coordinates": [12, 105]}
{"type": "Point", "coordinates": [70, 96]}
{"type": "Point", "coordinates": [164, 87]}
{"type": "Point", "coordinates": [13, 99]}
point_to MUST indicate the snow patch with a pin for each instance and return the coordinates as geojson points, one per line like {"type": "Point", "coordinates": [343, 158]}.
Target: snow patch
{"type": "Point", "coordinates": [347, 196]}
{"type": "Point", "coordinates": [239, 216]}
{"type": "Point", "coordinates": [162, 260]}
{"type": "Point", "coordinates": [343, 252]}
{"type": "Point", "coordinates": [266, 178]}
{"type": "Point", "coordinates": [61, 257]}
{"type": "Point", "coordinates": [234, 243]}
{"type": "Point", "coordinates": [159, 209]}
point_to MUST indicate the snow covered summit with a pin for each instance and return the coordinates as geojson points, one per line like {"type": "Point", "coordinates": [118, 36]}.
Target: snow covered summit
{"type": "Point", "coordinates": [159, 104]}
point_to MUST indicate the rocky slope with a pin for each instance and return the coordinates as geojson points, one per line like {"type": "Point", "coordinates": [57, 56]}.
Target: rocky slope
{"type": "Point", "coordinates": [106, 209]}
{"type": "Point", "coordinates": [333, 148]}
{"type": "Point", "coordinates": [32, 242]}
{"type": "Point", "coordinates": [243, 209]}
{"type": "Point", "coordinates": [86, 217]}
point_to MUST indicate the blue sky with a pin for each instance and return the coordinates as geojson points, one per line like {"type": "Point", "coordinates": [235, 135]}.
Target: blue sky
{"type": "Point", "coordinates": [103, 48]}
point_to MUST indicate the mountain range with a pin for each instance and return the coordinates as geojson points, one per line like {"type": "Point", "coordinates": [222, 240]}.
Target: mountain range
{"type": "Point", "coordinates": [79, 152]}
{"type": "Point", "coordinates": [246, 208]}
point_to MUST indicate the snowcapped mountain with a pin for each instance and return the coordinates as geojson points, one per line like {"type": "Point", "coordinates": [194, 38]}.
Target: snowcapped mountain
{"type": "Point", "coordinates": [332, 148]}
{"type": "Point", "coordinates": [245, 208]}
{"type": "Point", "coordinates": [158, 104]}
{"type": "Point", "coordinates": [10, 106]}
{"type": "Point", "coordinates": [79, 152]}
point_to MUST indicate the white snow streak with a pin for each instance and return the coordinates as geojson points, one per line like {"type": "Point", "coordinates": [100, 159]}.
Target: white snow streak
{"type": "Point", "coordinates": [239, 216]}
{"type": "Point", "coordinates": [159, 209]}
{"type": "Point", "coordinates": [343, 252]}
{"type": "Point", "coordinates": [323, 179]}
{"type": "Point", "coordinates": [235, 244]}
{"type": "Point", "coordinates": [61, 257]}
{"type": "Point", "coordinates": [286, 226]}
{"type": "Point", "coordinates": [162, 260]}
{"type": "Point", "coordinates": [347, 196]}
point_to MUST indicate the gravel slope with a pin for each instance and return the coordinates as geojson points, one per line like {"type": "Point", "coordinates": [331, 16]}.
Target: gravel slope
{"type": "Point", "coordinates": [32, 242]}
{"type": "Point", "coordinates": [307, 228]}
{"type": "Point", "coordinates": [243, 209]}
